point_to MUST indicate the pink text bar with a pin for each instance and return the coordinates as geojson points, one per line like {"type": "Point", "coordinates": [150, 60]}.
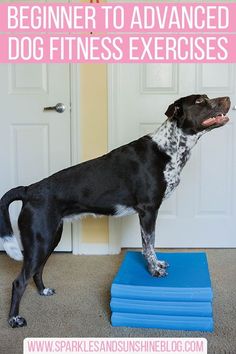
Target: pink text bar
{"type": "Point", "coordinates": [123, 48]}
{"type": "Point", "coordinates": [118, 17]}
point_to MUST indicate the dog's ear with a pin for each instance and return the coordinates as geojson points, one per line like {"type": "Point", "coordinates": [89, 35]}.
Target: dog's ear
{"type": "Point", "coordinates": [171, 110]}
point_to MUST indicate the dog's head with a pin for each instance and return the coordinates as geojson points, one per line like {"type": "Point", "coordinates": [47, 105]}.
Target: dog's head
{"type": "Point", "coordinates": [196, 113]}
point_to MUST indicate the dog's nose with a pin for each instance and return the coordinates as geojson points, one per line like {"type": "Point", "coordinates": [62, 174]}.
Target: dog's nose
{"type": "Point", "coordinates": [225, 101]}
{"type": "Point", "coordinates": [226, 98]}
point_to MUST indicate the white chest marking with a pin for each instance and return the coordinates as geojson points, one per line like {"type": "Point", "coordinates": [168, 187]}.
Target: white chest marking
{"type": "Point", "coordinates": [122, 210]}
{"type": "Point", "coordinates": [177, 145]}
{"type": "Point", "coordinates": [75, 217]}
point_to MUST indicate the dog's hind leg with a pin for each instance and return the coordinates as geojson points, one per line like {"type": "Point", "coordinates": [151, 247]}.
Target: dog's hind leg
{"type": "Point", "coordinates": [18, 288]}
{"type": "Point", "coordinates": [37, 239]}
{"type": "Point", "coordinates": [147, 220]}
{"type": "Point", "coordinates": [38, 276]}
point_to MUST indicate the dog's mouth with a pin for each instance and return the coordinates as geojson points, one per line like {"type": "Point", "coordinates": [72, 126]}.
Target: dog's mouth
{"type": "Point", "coordinates": [219, 120]}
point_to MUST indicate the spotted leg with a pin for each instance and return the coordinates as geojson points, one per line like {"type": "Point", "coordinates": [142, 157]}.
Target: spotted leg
{"type": "Point", "coordinates": [147, 220]}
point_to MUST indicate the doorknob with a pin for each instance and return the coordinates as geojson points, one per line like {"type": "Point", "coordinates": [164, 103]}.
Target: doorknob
{"type": "Point", "coordinates": [234, 108]}
{"type": "Point", "coordinates": [59, 108]}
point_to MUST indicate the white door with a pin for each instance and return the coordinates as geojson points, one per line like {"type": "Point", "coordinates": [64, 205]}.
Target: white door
{"type": "Point", "coordinates": [33, 143]}
{"type": "Point", "coordinates": [202, 211]}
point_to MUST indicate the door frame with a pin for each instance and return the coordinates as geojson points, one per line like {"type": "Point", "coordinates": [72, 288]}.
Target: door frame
{"type": "Point", "coordinates": [114, 243]}
{"type": "Point", "coordinates": [75, 132]}
{"type": "Point", "coordinates": [114, 246]}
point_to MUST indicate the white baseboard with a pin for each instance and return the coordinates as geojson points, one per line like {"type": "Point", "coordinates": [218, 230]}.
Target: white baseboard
{"type": "Point", "coordinates": [93, 249]}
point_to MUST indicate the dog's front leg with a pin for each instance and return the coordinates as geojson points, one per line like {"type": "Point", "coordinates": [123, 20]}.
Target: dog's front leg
{"type": "Point", "coordinates": [147, 220]}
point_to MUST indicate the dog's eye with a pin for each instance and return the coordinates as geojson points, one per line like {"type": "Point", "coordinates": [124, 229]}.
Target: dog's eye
{"type": "Point", "coordinates": [199, 100]}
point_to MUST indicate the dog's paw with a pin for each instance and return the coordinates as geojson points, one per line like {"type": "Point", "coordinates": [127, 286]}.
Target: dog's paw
{"type": "Point", "coordinates": [17, 321]}
{"type": "Point", "coordinates": [47, 292]}
{"type": "Point", "coordinates": [162, 264]}
{"type": "Point", "coordinates": [157, 272]}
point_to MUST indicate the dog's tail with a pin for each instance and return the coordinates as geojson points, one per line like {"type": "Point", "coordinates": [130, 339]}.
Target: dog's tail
{"type": "Point", "coordinates": [10, 243]}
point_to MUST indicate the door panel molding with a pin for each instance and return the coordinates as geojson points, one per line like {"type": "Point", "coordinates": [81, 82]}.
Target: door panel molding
{"type": "Point", "coordinates": [154, 82]}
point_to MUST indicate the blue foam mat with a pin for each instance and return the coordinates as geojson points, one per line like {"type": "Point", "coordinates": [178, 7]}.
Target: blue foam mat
{"type": "Point", "coordinates": [188, 278]}
{"type": "Point", "coordinates": [162, 322]}
{"type": "Point", "coordinates": [172, 308]}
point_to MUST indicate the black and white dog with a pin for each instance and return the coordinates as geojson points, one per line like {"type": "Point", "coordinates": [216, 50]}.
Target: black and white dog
{"type": "Point", "coordinates": [134, 178]}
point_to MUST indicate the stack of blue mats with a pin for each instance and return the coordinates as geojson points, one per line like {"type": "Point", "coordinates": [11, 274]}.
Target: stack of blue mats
{"type": "Point", "coordinates": [180, 301]}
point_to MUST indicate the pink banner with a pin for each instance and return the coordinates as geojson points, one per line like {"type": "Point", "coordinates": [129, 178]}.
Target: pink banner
{"type": "Point", "coordinates": [118, 17]}
{"type": "Point", "coordinates": [123, 48]}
